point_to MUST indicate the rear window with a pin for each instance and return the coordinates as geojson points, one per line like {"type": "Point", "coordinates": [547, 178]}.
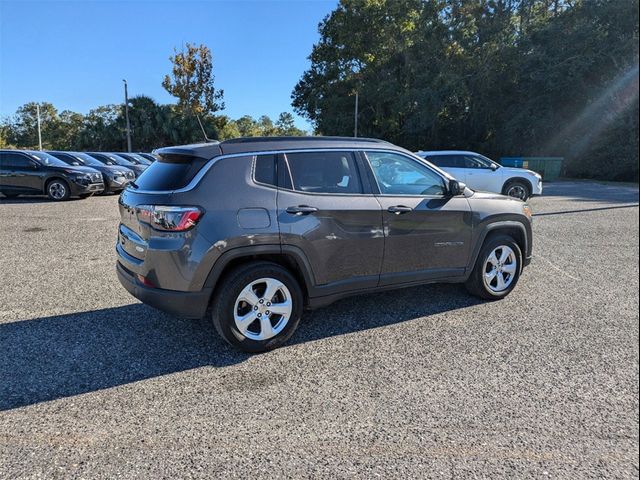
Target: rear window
{"type": "Point", "coordinates": [171, 172]}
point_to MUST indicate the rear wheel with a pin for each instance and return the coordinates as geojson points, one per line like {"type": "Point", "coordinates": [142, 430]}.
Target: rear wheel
{"type": "Point", "coordinates": [517, 189]}
{"type": "Point", "coordinates": [258, 307]}
{"type": "Point", "coordinates": [497, 268]}
{"type": "Point", "coordinates": [58, 190]}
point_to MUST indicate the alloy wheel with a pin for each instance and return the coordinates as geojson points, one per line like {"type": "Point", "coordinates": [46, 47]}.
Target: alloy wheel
{"type": "Point", "coordinates": [500, 269]}
{"type": "Point", "coordinates": [57, 190]}
{"type": "Point", "coordinates": [263, 309]}
{"type": "Point", "coordinates": [517, 191]}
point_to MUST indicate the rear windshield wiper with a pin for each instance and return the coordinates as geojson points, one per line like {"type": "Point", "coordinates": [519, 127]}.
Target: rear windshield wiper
{"type": "Point", "coordinates": [133, 184]}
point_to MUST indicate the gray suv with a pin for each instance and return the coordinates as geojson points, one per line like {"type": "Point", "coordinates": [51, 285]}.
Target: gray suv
{"type": "Point", "coordinates": [255, 230]}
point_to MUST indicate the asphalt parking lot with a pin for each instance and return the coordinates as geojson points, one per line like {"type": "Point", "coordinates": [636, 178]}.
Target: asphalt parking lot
{"type": "Point", "coordinates": [423, 382]}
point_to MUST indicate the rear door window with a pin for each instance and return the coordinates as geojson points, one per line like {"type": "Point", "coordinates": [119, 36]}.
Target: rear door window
{"type": "Point", "coordinates": [324, 172]}
{"type": "Point", "coordinates": [446, 161]}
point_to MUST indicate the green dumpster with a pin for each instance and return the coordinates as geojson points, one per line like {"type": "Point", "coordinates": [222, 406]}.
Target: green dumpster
{"type": "Point", "coordinates": [549, 167]}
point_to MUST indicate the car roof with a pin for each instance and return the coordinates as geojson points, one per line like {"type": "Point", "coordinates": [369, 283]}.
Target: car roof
{"type": "Point", "coordinates": [445, 152]}
{"type": "Point", "coordinates": [258, 144]}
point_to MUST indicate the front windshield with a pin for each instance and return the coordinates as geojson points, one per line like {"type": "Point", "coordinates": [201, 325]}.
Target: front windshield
{"type": "Point", "coordinates": [87, 159]}
{"type": "Point", "coordinates": [119, 160]}
{"type": "Point", "coordinates": [484, 162]}
{"type": "Point", "coordinates": [47, 159]}
{"type": "Point", "coordinates": [140, 159]}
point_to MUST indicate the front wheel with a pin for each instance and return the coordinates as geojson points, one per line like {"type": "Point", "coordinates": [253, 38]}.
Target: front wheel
{"type": "Point", "coordinates": [497, 268]}
{"type": "Point", "coordinates": [58, 190]}
{"type": "Point", "coordinates": [258, 307]}
{"type": "Point", "coordinates": [517, 190]}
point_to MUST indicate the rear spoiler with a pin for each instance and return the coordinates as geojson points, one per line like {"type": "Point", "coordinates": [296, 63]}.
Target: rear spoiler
{"type": "Point", "coordinates": [185, 153]}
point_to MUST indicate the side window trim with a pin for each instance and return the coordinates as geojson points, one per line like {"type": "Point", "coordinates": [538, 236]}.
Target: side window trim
{"type": "Point", "coordinates": [367, 174]}
{"type": "Point", "coordinates": [443, 179]}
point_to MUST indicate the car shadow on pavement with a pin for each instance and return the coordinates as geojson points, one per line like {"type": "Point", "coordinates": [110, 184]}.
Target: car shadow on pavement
{"type": "Point", "coordinates": [60, 356]}
{"type": "Point", "coordinates": [33, 199]}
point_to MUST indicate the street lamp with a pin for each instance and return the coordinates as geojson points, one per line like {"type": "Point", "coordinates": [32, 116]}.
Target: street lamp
{"type": "Point", "coordinates": [39, 130]}
{"type": "Point", "coordinates": [126, 114]}
{"type": "Point", "coordinates": [355, 126]}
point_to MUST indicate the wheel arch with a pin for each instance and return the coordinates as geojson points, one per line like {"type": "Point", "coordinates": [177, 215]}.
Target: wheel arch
{"type": "Point", "coordinates": [50, 179]}
{"type": "Point", "coordinates": [515, 229]}
{"type": "Point", "coordinates": [511, 180]}
{"type": "Point", "coordinates": [289, 257]}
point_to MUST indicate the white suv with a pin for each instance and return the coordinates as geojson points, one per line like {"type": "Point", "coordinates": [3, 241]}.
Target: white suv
{"type": "Point", "coordinates": [481, 173]}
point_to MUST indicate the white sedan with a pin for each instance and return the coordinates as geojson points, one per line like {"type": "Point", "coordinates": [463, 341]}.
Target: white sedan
{"type": "Point", "coordinates": [481, 173]}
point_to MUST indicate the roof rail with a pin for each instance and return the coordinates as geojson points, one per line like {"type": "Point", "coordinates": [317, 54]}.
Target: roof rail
{"type": "Point", "coordinates": [302, 139]}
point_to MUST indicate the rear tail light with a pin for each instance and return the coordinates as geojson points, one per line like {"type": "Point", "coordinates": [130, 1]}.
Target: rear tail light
{"type": "Point", "coordinates": [145, 281]}
{"type": "Point", "coordinates": [169, 219]}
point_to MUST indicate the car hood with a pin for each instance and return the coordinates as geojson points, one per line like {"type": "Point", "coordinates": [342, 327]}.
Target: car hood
{"type": "Point", "coordinates": [518, 171]}
{"type": "Point", "coordinates": [492, 196]}
{"type": "Point", "coordinates": [113, 168]}
{"type": "Point", "coordinates": [75, 168]}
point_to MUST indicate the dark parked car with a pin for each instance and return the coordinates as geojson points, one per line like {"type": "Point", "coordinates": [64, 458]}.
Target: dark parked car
{"type": "Point", "coordinates": [134, 158]}
{"type": "Point", "coordinates": [152, 158]}
{"type": "Point", "coordinates": [115, 177]}
{"type": "Point", "coordinates": [34, 173]}
{"type": "Point", "coordinates": [256, 230]}
{"type": "Point", "coordinates": [112, 159]}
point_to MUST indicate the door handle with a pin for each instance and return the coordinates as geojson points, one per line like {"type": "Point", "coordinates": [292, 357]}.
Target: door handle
{"type": "Point", "coordinates": [398, 209]}
{"type": "Point", "coordinates": [301, 210]}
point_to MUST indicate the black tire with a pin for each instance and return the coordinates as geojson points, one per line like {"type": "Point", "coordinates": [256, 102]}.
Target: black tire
{"type": "Point", "coordinates": [476, 284]}
{"type": "Point", "coordinates": [58, 190]}
{"type": "Point", "coordinates": [517, 189]}
{"type": "Point", "coordinates": [86, 195]}
{"type": "Point", "coordinates": [228, 291]}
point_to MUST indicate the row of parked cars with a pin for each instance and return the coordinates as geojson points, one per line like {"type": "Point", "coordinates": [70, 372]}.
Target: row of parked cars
{"type": "Point", "coordinates": [61, 175]}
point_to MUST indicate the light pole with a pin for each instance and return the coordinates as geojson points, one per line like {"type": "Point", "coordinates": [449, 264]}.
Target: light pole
{"type": "Point", "coordinates": [355, 126]}
{"type": "Point", "coordinates": [39, 132]}
{"type": "Point", "coordinates": [126, 114]}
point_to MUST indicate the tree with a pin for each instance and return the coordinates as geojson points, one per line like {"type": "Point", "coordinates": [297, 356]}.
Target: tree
{"type": "Point", "coordinates": [24, 125]}
{"type": "Point", "coordinates": [285, 126]}
{"type": "Point", "coordinates": [103, 129]}
{"type": "Point", "coordinates": [192, 81]}
{"type": "Point", "coordinates": [504, 77]}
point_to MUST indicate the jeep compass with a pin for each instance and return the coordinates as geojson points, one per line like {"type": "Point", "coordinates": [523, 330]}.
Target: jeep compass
{"type": "Point", "coordinates": [253, 231]}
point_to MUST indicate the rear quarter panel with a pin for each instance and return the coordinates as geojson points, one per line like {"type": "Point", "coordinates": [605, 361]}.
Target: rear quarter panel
{"type": "Point", "coordinates": [238, 212]}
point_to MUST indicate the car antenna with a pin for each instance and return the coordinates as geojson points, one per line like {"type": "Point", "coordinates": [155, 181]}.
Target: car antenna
{"type": "Point", "coordinates": [204, 133]}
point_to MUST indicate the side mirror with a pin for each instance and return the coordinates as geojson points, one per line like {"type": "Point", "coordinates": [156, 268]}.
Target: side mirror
{"type": "Point", "coordinates": [456, 188]}
{"type": "Point", "coordinates": [494, 167]}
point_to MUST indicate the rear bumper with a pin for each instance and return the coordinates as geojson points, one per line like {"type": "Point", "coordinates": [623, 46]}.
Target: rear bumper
{"type": "Point", "coordinates": [183, 304]}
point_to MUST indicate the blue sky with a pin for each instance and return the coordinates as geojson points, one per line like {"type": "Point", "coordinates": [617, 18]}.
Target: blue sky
{"type": "Point", "coordinates": [75, 54]}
